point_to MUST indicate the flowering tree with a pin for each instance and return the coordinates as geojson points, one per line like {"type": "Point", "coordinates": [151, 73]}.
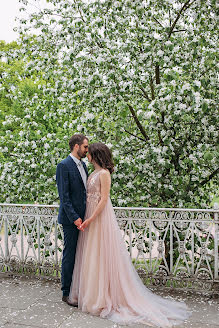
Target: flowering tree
{"type": "Point", "coordinates": [27, 157]}
{"type": "Point", "coordinates": [138, 75]}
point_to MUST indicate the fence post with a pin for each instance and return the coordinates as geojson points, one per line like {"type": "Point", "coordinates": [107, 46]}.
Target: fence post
{"type": "Point", "coordinates": [56, 246]}
{"type": "Point", "coordinates": [216, 222]}
{"type": "Point", "coordinates": [6, 239]}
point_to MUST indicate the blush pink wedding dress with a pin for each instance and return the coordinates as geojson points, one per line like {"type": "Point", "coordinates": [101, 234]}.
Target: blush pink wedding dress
{"type": "Point", "coordinates": [105, 282]}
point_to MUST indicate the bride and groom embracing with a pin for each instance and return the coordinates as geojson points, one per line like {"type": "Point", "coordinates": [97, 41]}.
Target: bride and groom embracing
{"type": "Point", "coordinates": [97, 272]}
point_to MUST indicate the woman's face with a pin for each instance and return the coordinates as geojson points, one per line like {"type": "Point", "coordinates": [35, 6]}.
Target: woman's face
{"type": "Point", "coordinates": [89, 157]}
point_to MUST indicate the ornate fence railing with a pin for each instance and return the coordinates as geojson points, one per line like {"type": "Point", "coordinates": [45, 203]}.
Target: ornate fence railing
{"type": "Point", "coordinates": [169, 246]}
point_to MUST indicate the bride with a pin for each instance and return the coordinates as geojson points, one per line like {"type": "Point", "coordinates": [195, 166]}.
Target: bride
{"type": "Point", "coordinates": [105, 282]}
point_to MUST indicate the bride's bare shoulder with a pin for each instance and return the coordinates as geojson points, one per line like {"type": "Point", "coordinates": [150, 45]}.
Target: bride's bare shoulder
{"type": "Point", "coordinates": [104, 172]}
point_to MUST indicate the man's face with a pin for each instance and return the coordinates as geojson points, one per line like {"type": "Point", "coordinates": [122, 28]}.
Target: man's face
{"type": "Point", "coordinates": [83, 148]}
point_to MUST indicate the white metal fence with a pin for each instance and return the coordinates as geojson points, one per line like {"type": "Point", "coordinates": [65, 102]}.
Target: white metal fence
{"type": "Point", "coordinates": [169, 246]}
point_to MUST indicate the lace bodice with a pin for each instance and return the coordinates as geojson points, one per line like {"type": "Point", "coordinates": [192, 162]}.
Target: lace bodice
{"type": "Point", "coordinates": [93, 187]}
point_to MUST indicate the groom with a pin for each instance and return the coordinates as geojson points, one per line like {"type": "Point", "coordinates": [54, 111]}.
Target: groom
{"type": "Point", "coordinates": [71, 178]}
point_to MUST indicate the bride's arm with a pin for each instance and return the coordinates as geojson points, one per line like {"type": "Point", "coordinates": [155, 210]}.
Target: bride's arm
{"type": "Point", "coordinates": [105, 182]}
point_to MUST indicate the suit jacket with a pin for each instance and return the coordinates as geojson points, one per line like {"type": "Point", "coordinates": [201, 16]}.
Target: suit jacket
{"type": "Point", "coordinates": [72, 192]}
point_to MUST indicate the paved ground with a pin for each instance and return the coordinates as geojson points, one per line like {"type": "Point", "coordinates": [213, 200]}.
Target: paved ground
{"type": "Point", "coordinates": [26, 303]}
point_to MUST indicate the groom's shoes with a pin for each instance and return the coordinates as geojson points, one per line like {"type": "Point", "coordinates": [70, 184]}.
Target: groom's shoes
{"type": "Point", "coordinates": [66, 300]}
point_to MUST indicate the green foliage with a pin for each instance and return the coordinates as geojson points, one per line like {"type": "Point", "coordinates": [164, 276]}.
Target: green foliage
{"type": "Point", "coordinates": [140, 77]}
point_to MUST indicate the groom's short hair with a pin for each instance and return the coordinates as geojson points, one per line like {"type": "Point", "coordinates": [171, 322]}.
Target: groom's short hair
{"type": "Point", "coordinates": [76, 139]}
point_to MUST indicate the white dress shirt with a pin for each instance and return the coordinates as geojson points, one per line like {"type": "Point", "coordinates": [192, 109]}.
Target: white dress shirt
{"type": "Point", "coordinates": [81, 169]}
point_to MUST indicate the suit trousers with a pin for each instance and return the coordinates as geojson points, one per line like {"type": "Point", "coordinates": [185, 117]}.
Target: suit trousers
{"type": "Point", "coordinates": [68, 257]}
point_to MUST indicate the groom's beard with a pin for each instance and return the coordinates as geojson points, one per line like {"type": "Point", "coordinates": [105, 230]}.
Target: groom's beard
{"type": "Point", "coordinates": [81, 154]}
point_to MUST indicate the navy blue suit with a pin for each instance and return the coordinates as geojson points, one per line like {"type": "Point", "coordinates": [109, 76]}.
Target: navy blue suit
{"type": "Point", "coordinates": [72, 195]}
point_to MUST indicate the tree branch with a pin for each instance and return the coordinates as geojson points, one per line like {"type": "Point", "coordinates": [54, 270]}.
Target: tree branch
{"type": "Point", "coordinates": [159, 134]}
{"type": "Point", "coordinates": [131, 151]}
{"type": "Point", "coordinates": [157, 74]}
{"type": "Point", "coordinates": [170, 19]}
{"type": "Point", "coordinates": [184, 7]}
{"type": "Point", "coordinates": [134, 135]}
{"type": "Point", "coordinates": [157, 21]}
{"type": "Point", "coordinates": [54, 14]}
{"type": "Point", "coordinates": [178, 31]}
{"type": "Point", "coordinates": [79, 11]}
{"type": "Point", "coordinates": [145, 93]}
{"type": "Point", "coordinates": [206, 71]}
{"type": "Point", "coordinates": [160, 139]}
{"type": "Point", "coordinates": [206, 180]}
{"type": "Point", "coordinates": [138, 123]}
{"type": "Point", "coordinates": [152, 88]}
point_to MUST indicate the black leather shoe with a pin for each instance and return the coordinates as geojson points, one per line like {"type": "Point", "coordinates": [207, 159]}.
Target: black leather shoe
{"type": "Point", "coordinates": [66, 300]}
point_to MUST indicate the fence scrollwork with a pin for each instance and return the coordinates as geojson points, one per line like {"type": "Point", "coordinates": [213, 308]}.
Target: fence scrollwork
{"type": "Point", "coordinates": [175, 248]}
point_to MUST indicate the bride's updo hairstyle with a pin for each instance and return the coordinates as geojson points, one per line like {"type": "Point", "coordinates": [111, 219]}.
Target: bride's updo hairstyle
{"type": "Point", "coordinates": [102, 155]}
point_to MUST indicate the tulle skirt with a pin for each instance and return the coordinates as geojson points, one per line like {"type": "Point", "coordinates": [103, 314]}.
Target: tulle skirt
{"type": "Point", "coordinates": [106, 284]}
